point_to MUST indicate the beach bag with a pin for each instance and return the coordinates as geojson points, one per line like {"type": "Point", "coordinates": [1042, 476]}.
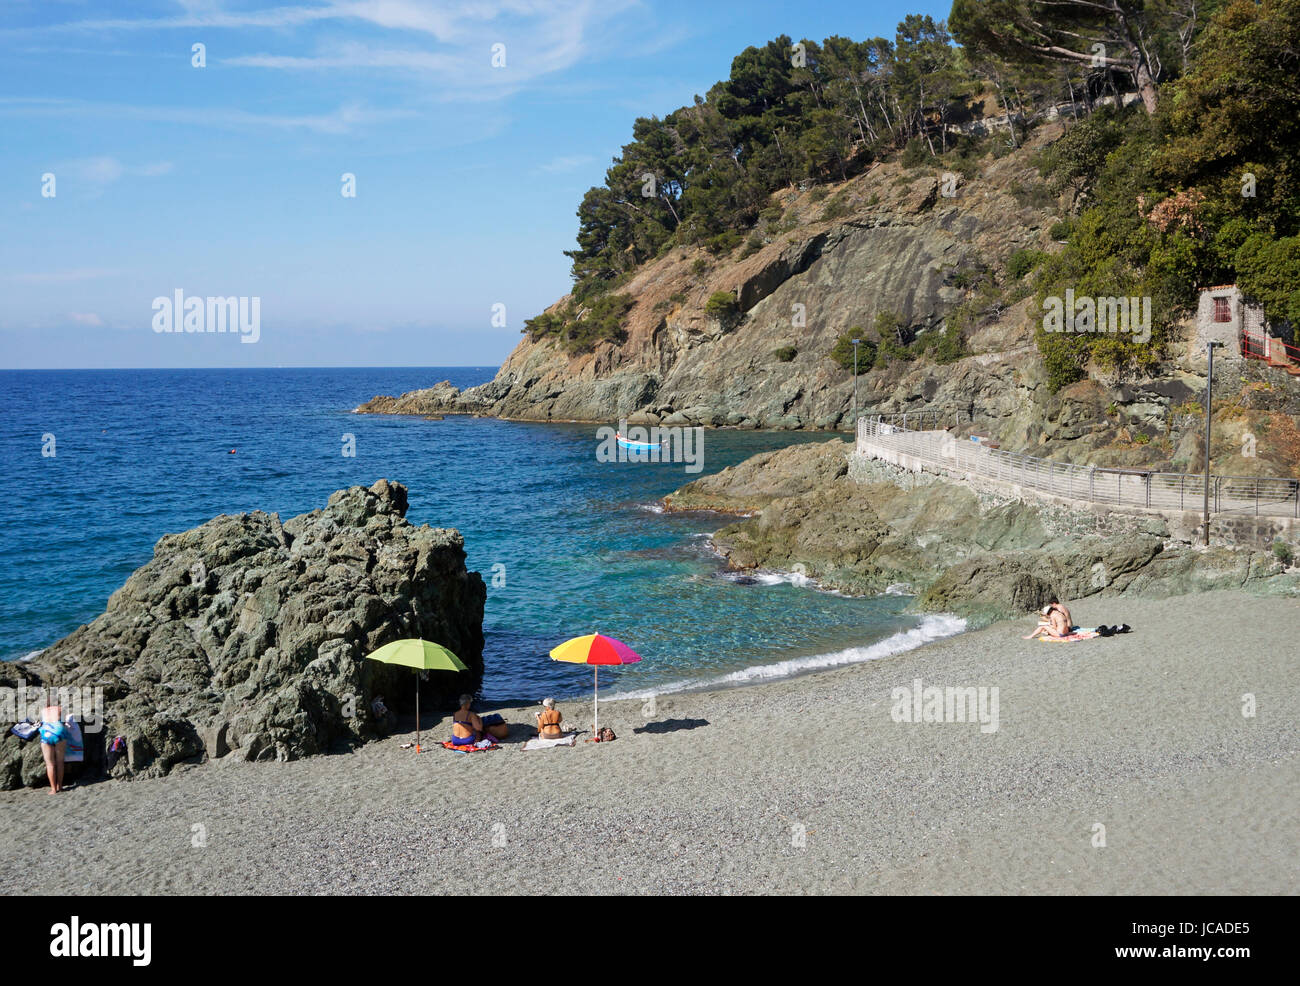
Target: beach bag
{"type": "Point", "coordinates": [116, 750]}
{"type": "Point", "coordinates": [24, 730]}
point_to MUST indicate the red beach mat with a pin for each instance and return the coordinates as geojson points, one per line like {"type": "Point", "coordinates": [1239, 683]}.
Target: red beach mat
{"type": "Point", "coordinates": [449, 745]}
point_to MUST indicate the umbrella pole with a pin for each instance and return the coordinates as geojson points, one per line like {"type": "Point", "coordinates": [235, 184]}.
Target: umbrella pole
{"type": "Point", "coordinates": [417, 712]}
{"type": "Point", "coordinates": [596, 692]}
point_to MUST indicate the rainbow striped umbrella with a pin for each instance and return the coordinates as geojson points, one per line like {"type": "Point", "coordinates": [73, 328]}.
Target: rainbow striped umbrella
{"type": "Point", "coordinates": [595, 649]}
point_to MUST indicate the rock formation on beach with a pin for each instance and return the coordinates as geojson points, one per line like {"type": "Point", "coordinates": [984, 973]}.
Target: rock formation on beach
{"type": "Point", "coordinates": [247, 636]}
{"type": "Point", "coordinates": [982, 555]}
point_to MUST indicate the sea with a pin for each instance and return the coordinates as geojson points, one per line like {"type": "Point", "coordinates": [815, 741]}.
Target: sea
{"type": "Point", "coordinates": [99, 464]}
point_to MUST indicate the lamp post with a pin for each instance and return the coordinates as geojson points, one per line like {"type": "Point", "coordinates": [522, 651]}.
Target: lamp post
{"type": "Point", "coordinates": [1209, 410]}
{"type": "Point", "coordinates": [856, 343]}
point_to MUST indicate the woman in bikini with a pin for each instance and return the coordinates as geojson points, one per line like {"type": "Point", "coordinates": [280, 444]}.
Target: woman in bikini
{"type": "Point", "coordinates": [548, 721]}
{"type": "Point", "coordinates": [466, 726]}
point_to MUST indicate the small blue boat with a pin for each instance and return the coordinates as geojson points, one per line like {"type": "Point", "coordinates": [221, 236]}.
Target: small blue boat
{"type": "Point", "coordinates": [637, 446]}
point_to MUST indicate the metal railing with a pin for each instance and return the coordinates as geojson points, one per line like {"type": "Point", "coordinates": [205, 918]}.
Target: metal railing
{"type": "Point", "coordinates": [885, 437]}
{"type": "Point", "coordinates": [1257, 345]}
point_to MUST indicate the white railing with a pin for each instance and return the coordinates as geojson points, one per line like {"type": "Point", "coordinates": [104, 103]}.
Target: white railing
{"type": "Point", "coordinates": [887, 438]}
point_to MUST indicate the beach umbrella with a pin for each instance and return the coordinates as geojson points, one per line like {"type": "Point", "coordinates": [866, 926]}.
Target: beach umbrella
{"type": "Point", "coordinates": [595, 649]}
{"type": "Point", "coordinates": [422, 655]}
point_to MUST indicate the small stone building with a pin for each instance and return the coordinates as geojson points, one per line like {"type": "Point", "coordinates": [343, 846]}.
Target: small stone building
{"type": "Point", "coordinates": [1223, 314]}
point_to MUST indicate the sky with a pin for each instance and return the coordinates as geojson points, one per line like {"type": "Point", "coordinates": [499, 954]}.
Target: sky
{"type": "Point", "coordinates": [471, 129]}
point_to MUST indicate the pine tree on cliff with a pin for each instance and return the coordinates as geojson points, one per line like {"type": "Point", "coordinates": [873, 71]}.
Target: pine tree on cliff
{"type": "Point", "coordinates": [1137, 37]}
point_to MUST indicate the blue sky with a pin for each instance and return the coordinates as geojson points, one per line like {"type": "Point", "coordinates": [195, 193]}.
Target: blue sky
{"type": "Point", "coordinates": [226, 179]}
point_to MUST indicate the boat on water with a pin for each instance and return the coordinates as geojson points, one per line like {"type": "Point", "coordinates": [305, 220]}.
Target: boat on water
{"type": "Point", "coordinates": [637, 446]}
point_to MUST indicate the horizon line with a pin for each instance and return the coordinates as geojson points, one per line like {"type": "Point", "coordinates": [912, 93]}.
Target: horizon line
{"type": "Point", "coordinates": [296, 366]}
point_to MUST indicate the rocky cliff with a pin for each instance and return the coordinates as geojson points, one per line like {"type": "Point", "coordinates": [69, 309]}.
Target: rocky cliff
{"type": "Point", "coordinates": [982, 555]}
{"type": "Point", "coordinates": [888, 240]}
{"type": "Point", "coordinates": [247, 636]}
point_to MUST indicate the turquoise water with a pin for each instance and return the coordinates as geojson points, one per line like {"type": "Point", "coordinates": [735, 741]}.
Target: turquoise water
{"type": "Point", "coordinates": [581, 546]}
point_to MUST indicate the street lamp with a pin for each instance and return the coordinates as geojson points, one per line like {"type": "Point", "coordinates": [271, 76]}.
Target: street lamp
{"type": "Point", "coordinates": [856, 343]}
{"type": "Point", "coordinates": [1209, 407]}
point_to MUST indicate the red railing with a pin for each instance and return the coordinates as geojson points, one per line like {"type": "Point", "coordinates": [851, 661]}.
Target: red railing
{"type": "Point", "coordinates": [1269, 348]}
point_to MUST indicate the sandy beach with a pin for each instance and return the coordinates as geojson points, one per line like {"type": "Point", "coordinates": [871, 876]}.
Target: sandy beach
{"type": "Point", "coordinates": [806, 785]}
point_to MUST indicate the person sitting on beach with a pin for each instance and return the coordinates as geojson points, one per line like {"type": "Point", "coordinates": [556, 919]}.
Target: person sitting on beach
{"type": "Point", "coordinates": [1053, 621]}
{"type": "Point", "coordinates": [466, 726]}
{"type": "Point", "coordinates": [54, 745]}
{"type": "Point", "coordinates": [1061, 613]}
{"type": "Point", "coordinates": [548, 721]}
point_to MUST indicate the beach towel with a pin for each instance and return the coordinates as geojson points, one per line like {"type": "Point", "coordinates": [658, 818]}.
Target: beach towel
{"type": "Point", "coordinates": [537, 743]}
{"type": "Point", "coordinates": [25, 730]}
{"type": "Point", "coordinates": [1080, 633]}
{"type": "Point", "coordinates": [479, 747]}
{"type": "Point", "coordinates": [76, 749]}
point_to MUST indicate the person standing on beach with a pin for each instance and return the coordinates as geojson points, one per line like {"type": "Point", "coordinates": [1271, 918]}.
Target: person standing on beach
{"type": "Point", "coordinates": [54, 745]}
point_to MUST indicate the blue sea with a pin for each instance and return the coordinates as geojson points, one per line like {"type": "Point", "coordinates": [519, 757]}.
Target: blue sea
{"type": "Point", "coordinates": [577, 545]}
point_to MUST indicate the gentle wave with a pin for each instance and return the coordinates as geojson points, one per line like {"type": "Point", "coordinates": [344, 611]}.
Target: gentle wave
{"type": "Point", "coordinates": [768, 578]}
{"type": "Point", "coordinates": [931, 628]}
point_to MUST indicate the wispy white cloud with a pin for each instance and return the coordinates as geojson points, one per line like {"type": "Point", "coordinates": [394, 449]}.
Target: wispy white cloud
{"type": "Point", "coordinates": [345, 119]}
{"type": "Point", "coordinates": [86, 318]}
{"type": "Point", "coordinates": [565, 163]}
{"type": "Point", "coordinates": [199, 16]}
{"type": "Point", "coordinates": [450, 42]}
{"type": "Point", "coordinates": [63, 276]}
{"type": "Point", "coordinates": [445, 22]}
{"type": "Point", "coordinates": [104, 170]}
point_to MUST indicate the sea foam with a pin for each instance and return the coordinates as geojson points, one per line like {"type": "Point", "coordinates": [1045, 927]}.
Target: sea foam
{"type": "Point", "coordinates": [932, 627]}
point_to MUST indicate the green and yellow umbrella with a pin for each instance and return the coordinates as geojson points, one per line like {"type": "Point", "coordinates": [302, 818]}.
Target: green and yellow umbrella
{"type": "Point", "coordinates": [422, 655]}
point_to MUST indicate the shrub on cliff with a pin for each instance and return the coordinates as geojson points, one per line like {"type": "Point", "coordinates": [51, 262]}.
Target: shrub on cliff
{"type": "Point", "coordinates": [600, 320]}
{"type": "Point", "coordinates": [1021, 262]}
{"type": "Point", "coordinates": [842, 353]}
{"type": "Point", "coordinates": [723, 306]}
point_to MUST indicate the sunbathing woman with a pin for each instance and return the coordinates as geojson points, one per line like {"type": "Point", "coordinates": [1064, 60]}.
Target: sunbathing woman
{"type": "Point", "coordinates": [548, 720]}
{"type": "Point", "coordinates": [466, 726]}
{"type": "Point", "coordinates": [1052, 622]}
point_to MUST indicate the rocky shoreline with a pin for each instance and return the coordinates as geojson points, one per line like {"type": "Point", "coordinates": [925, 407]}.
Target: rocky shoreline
{"type": "Point", "coordinates": [980, 555]}
{"type": "Point", "coordinates": [246, 637]}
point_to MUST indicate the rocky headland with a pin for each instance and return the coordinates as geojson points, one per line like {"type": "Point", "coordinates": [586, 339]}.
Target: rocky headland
{"type": "Point", "coordinates": [246, 637]}
{"type": "Point", "coordinates": [894, 243]}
